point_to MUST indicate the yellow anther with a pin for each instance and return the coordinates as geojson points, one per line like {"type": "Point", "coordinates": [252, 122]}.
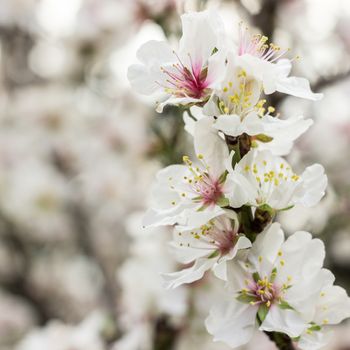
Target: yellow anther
{"type": "Point", "coordinates": [325, 321]}
{"type": "Point", "coordinates": [200, 156]}
{"type": "Point", "coordinates": [260, 258]}
{"type": "Point", "coordinates": [279, 253]}
{"type": "Point", "coordinates": [282, 262]}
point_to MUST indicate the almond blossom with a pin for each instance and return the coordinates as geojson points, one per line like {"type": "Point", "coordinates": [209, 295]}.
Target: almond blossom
{"type": "Point", "coordinates": [209, 246]}
{"type": "Point", "coordinates": [264, 62]}
{"type": "Point", "coordinates": [193, 193]}
{"type": "Point", "coordinates": [275, 287]}
{"type": "Point", "coordinates": [261, 178]}
{"type": "Point", "coordinates": [236, 108]}
{"type": "Point", "coordinates": [332, 307]}
{"type": "Point", "coordinates": [186, 75]}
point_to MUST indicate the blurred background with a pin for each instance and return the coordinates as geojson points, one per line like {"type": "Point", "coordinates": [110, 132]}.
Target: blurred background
{"type": "Point", "coordinates": [79, 150]}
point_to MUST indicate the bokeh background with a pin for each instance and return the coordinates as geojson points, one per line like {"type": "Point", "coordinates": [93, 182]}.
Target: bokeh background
{"type": "Point", "coordinates": [79, 150]}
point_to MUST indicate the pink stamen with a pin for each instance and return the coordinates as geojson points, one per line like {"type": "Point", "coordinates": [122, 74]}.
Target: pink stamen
{"type": "Point", "coordinates": [187, 81]}
{"type": "Point", "coordinates": [257, 46]}
{"type": "Point", "coordinates": [208, 189]}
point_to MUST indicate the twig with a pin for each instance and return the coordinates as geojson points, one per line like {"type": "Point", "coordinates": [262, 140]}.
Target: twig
{"type": "Point", "coordinates": [282, 341]}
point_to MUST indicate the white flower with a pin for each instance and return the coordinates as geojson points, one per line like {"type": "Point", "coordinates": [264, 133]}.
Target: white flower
{"type": "Point", "coordinates": [263, 61]}
{"type": "Point", "coordinates": [192, 194]}
{"type": "Point", "coordinates": [236, 109]}
{"type": "Point", "coordinates": [333, 306]}
{"type": "Point", "coordinates": [273, 288]}
{"type": "Point", "coordinates": [261, 178]}
{"type": "Point", "coordinates": [59, 336]}
{"type": "Point", "coordinates": [209, 246]}
{"type": "Point", "coordinates": [186, 76]}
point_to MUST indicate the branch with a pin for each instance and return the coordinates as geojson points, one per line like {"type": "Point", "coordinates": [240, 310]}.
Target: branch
{"type": "Point", "coordinates": [282, 341]}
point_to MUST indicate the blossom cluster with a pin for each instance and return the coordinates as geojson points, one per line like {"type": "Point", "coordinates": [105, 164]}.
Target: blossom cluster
{"type": "Point", "coordinates": [223, 200]}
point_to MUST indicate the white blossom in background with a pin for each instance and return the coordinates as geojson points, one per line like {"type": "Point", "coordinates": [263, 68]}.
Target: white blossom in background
{"type": "Point", "coordinates": [140, 307]}
{"type": "Point", "coordinates": [59, 336]}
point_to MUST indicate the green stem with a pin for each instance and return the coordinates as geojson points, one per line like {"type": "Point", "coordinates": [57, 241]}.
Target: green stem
{"type": "Point", "coordinates": [282, 341]}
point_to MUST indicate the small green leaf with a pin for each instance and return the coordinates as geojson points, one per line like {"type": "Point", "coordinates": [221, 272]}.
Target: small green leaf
{"type": "Point", "coordinates": [263, 138]}
{"type": "Point", "coordinates": [254, 144]}
{"type": "Point", "coordinates": [285, 306]}
{"type": "Point", "coordinates": [214, 254]}
{"type": "Point", "coordinates": [256, 276]}
{"type": "Point", "coordinates": [223, 202]}
{"type": "Point", "coordinates": [315, 328]}
{"type": "Point", "coordinates": [245, 298]}
{"type": "Point", "coordinates": [273, 275]}
{"type": "Point", "coordinates": [287, 208]}
{"type": "Point", "coordinates": [266, 207]}
{"type": "Point", "coordinates": [223, 177]}
{"type": "Point", "coordinates": [262, 312]}
{"type": "Point", "coordinates": [203, 207]}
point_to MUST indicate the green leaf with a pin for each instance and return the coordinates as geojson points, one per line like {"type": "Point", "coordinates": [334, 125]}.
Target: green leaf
{"type": "Point", "coordinates": [245, 298]}
{"type": "Point", "coordinates": [254, 144]}
{"type": "Point", "coordinates": [273, 275]}
{"type": "Point", "coordinates": [266, 207]}
{"type": "Point", "coordinates": [203, 207]}
{"type": "Point", "coordinates": [287, 208]}
{"type": "Point", "coordinates": [315, 328]}
{"type": "Point", "coordinates": [285, 306]}
{"type": "Point", "coordinates": [215, 50]}
{"type": "Point", "coordinates": [223, 177]}
{"type": "Point", "coordinates": [223, 202]}
{"type": "Point", "coordinates": [214, 254]}
{"type": "Point", "coordinates": [262, 312]}
{"type": "Point", "coordinates": [263, 138]}
{"type": "Point", "coordinates": [256, 276]}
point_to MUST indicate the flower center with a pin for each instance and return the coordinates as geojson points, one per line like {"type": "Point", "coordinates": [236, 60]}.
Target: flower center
{"type": "Point", "coordinates": [207, 189]}
{"type": "Point", "coordinates": [223, 239]}
{"type": "Point", "coordinates": [186, 81]}
{"type": "Point", "coordinates": [257, 45]}
{"type": "Point", "coordinates": [237, 98]}
{"type": "Point", "coordinates": [261, 291]}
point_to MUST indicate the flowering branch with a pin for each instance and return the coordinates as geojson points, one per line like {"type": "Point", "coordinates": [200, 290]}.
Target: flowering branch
{"type": "Point", "coordinates": [282, 341]}
{"type": "Point", "coordinates": [222, 203]}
